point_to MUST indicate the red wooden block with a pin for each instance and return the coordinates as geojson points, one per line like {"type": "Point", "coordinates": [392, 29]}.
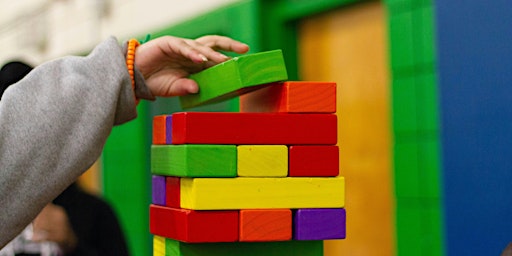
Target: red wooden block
{"type": "Point", "coordinates": [313, 161]}
{"type": "Point", "coordinates": [265, 225]}
{"type": "Point", "coordinates": [193, 226]}
{"type": "Point", "coordinates": [253, 128]}
{"type": "Point", "coordinates": [292, 97]}
{"type": "Point", "coordinates": [172, 192]}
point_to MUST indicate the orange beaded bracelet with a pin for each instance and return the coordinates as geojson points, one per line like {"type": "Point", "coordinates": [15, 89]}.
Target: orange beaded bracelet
{"type": "Point", "coordinates": [130, 61]}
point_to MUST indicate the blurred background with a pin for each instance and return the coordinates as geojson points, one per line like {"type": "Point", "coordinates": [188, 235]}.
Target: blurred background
{"type": "Point", "coordinates": [44, 29]}
{"type": "Point", "coordinates": [424, 92]}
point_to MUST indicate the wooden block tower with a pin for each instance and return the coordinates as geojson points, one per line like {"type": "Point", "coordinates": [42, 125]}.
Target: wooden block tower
{"type": "Point", "coordinates": [264, 181]}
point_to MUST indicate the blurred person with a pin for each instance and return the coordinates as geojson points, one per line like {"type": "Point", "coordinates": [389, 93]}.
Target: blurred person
{"type": "Point", "coordinates": [75, 223]}
{"type": "Point", "coordinates": [55, 121]}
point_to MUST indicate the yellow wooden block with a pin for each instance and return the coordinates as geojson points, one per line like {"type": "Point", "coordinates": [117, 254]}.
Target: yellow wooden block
{"type": "Point", "coordinates": [158, 246]}
{"type": "Point", "coordinates": [262, 161]}
{"type": "Point", "coordinates": [262, 193]}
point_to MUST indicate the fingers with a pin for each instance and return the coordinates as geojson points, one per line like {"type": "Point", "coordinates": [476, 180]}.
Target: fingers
{"type": "Point", "coordinates": [223, 43]}
{"type": "Point", "coordinates": [179, 87]}
{"type": "Point", "coordinates": [182, 87]}
{"type": "Point", "coordinates": [210, 45]}
{"type": "Point", "coordinates": [186, 48]}
{"type": "Point", "coordinates": [215, 43]}
{"type": "Point", "coordinates": [210, 54]}
{"type": "Point", "coordinates": [204, 49]}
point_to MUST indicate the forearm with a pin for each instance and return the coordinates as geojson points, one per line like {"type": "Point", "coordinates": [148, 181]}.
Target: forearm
{"type": "Point", "coordinates": [53, 126]}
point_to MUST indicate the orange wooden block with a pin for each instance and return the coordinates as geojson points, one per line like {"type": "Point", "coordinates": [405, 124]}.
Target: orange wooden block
{"type": "Point", "coordinates": [160, 124]}
{"type": "Point", "coordinates": [265, 225]}
{"type": "Point", "coordinates": [292, 97]}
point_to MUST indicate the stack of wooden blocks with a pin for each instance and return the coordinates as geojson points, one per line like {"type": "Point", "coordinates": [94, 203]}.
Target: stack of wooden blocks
{"type": "Point", "coordinates": [264, 181]}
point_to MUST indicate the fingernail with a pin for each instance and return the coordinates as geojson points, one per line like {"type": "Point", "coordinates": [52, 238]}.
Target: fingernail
{"type": "Point", "coordinates": [203, 58]}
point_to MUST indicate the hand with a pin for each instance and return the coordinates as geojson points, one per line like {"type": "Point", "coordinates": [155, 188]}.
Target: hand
{"type": "Point", "coordinates": [166, 62]}
{"type": "Point", "coordinates": [52, 224]}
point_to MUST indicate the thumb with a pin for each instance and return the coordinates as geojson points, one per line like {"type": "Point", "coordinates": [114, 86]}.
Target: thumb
{"type": "Point", "coordinates": [179, 87]}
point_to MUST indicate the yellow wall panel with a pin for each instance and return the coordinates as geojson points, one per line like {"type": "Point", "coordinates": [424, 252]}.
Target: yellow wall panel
{"type": "Point", "coordinates": [349, 46]}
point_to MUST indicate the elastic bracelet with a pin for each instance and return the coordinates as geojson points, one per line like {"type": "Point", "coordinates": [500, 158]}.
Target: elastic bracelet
{"type": "Point", "coordinates": [130, 62]}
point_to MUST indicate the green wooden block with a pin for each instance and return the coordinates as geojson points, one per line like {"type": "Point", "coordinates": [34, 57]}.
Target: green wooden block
{"type": "Point", "coordinates": [235, 77]}
{"type": "Point", "coordinates": [409, 227]}
{"type": "Point", "coordinates": [194, 160]}
{"type": "Point", "coordinates": [404, 104]}
{"type": "Point", "coordinates": [417, 168]}
{"type": "Point", "coordinates": [419, 227]}
{"type": "Point", "coordinates": [397, 6]}
{"type": "Point", "coordinates": [428, 102]}
{"type": "Point", "coordinates": [427, 2]}
{"type": "Point", "coordinates": [433, 238]}
{"type": "Point", "coordinates": [282, 248]}
{"type": "Point", "coordinates": [401, 41]}
{"type": "Point", "coordinates": [429, 165]}
{"type": "Point", "coordinates": [407, 179]}
{"type": "Point", "coordinates": [423, 33]}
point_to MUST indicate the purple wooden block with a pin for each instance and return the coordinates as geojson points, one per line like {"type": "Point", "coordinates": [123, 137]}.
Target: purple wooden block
{"type": "Point", "coordinates": [319, 224]}
{"type": "Point", "coordinates": [168, 130]}
{"type": "Point", "coordinates": [158, 189]}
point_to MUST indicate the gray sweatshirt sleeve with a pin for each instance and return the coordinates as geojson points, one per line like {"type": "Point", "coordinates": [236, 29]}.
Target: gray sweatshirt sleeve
{"type": "Point", "coordinates": [53, 126]}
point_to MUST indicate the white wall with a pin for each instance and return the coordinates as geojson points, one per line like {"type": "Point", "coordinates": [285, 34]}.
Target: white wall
{"type": "Point", "coordinates": [39, 30]}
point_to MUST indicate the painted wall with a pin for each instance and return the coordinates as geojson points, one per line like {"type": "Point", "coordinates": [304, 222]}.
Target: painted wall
{"type": "Point", "coordinates": [475, 88]}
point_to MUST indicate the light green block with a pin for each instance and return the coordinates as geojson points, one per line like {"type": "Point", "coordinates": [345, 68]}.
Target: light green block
{"type": "Point", "coordinates": [194, 160]}
{"type": "Point", "coordinates": [282, 248]}
{"type": "Point", "coordinates": [235, 77]}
